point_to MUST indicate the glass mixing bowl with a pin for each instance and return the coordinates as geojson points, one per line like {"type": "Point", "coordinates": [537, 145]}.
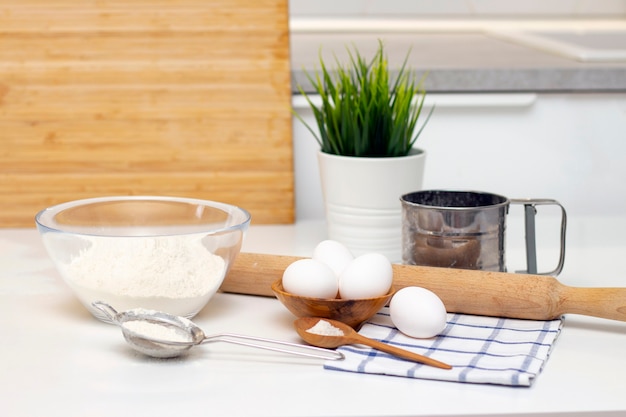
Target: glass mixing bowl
{"type": "Point", "coordinates": [161, 253]}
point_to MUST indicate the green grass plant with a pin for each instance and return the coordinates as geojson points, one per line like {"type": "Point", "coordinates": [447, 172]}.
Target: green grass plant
{"type": "Point", "coordinates": [362, 113]}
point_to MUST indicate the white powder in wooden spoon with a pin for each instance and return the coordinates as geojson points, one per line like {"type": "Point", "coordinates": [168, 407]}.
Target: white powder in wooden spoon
{"type": "Point", "coordinates": [325, 328]}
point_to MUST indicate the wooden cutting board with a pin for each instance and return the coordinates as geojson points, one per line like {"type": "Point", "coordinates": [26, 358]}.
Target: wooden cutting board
{"type": "Point", "coordinates": [189, 98]}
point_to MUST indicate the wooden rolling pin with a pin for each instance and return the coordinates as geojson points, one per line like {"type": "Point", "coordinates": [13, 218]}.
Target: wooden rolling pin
{"type": "Point", "coordinates": [498, 294]}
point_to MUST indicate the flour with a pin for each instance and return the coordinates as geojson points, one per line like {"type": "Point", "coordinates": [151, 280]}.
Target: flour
{"type": "Point", "coordinates": [324, 328]}
{"type": "Point", "coordinates": [156, 268]}
{"type": "Point", "coordinates": [156, 331]}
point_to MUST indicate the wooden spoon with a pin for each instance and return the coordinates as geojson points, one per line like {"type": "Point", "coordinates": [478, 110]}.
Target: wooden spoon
{"type": "Point", "coordinates": [350, 336]}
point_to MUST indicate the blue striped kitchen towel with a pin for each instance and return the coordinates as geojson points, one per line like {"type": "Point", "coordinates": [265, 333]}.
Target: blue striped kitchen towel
{"type": "Point", "coordinates": [483, 350]}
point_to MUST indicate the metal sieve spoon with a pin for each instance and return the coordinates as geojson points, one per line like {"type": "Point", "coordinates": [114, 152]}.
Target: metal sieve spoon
{"type": "Point", "coordinates": [163, 335]}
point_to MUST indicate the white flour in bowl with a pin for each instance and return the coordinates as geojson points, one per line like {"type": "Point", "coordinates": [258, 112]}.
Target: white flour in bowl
{"type": "Point", "coordinates": [176, 274]}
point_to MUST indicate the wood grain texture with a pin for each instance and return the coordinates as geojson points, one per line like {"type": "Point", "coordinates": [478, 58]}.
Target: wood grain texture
{"type": "Point", "coordinates": [485, 293]}
{"type": "Point", "coordinates": [351, 312]}
{"type": "Point", "coordinates": [189, 98]}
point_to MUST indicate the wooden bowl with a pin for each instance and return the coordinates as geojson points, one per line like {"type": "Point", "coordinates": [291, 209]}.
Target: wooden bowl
{"type": "Point", "coordinates": [352, 312]}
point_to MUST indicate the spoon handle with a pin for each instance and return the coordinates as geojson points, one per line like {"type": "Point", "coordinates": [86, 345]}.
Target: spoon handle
{"type": "Point", "coordinates": [275, 345]}
{"type": "Point", "coordinates": [401, 353]}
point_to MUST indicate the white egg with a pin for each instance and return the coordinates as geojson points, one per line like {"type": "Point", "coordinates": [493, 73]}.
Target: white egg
{"type": "Point", "coordinates": [369, 275]}
{"type": "Point", "coordinates": [310, 278]}
{"type": "Point", "coordinates": [417, 312]}
{"type": "Point", "coordinates": [334, 254]}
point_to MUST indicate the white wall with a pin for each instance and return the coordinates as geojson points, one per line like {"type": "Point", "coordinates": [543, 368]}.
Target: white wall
{"type": "Point", "coordinates": [570, 147]}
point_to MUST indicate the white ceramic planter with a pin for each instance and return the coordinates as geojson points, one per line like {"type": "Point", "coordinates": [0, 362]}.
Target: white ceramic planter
{"type": "Point", "coordinates": [362, 199]}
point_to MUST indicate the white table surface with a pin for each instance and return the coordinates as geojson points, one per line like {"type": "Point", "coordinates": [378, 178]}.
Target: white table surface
{"type": "Point", "coordinates": [56, 360]}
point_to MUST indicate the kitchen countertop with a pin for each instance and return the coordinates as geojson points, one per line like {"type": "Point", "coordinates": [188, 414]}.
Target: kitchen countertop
{"type": "Point", "coordinates": [461, 57]}
{"type": "Point", "coordinates": [59, 361]}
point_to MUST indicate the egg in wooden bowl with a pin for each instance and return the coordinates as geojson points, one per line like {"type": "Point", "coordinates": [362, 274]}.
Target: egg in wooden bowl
{"type": "Point", "coordinates": [351, 311]}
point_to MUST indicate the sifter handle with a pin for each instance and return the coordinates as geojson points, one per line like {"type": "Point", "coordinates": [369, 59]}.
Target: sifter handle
{"type": "Point", "coordinates": [529, 223]}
